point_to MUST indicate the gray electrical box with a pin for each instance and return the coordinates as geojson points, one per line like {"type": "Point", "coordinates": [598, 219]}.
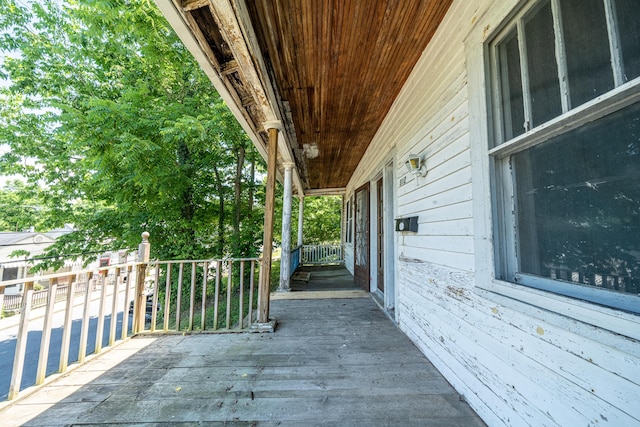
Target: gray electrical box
{"type": "Point", "coordinates": [407, 224]}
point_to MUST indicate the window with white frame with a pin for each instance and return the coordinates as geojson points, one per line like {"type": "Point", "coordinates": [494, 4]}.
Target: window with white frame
{"type": "Point", "coordinates": [348, 233]}
{"type": "Point", "coordinates": [566, 149]}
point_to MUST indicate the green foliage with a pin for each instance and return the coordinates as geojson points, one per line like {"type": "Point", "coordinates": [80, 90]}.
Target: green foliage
{"type": "Point", "coordinates": [112, 117]}
{"type": "Point", "coordinates": [19, 207]}
{"type": "Point", "coordinates": [322, 217]}
{"type": "Point", "coordinates": [321, 223]}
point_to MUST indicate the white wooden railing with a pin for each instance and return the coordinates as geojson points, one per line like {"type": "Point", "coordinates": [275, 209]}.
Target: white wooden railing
{"type": "Point", "coordinates": [78, 305]}
{"type": "Point", "coordinates": [40, 298]}
{"type": "Point", "coordinates": [202, 295]}
{"type": "Point", "coordinates": [149, 297]}
{"type": "Point", "coordinates": [322, 254]}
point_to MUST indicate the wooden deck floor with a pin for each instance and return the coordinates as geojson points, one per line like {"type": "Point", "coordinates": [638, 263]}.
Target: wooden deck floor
{"type": "Point", "coordinates": [322, 278]}
{"type": "Point", "coordinates": [330, 362]}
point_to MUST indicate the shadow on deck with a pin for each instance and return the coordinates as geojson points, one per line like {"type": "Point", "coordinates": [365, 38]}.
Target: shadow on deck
{"type": "Point", "coordinates": [330, 361]}
{"type": "Point", "coordinates": [321, 282]}
{"type": "Point", "coordinates": [322, 278]}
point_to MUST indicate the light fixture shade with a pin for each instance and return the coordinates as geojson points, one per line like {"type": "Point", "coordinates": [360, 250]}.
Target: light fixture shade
{"type": "Point", "coordinates": [414, 166]}
{"type": "Point", "coordinates": [414, 163]}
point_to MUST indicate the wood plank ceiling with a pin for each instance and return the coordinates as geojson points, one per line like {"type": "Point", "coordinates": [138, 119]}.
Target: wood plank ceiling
{"type": "Point", "coordinates": [338, 65]}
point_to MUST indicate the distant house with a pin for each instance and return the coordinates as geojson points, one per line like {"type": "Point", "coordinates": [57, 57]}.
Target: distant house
{"type": "Point", "coordinates": [31, 241]}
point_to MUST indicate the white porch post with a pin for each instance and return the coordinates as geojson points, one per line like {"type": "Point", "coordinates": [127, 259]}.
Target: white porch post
{"type": "Point", "coordinates": [300, 219]}
{"type": "Point", "coordinates": [285, 257]}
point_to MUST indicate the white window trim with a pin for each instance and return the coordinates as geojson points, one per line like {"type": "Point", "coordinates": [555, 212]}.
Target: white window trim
{"type": "Point", "coordinates": [614, 100]}
{"type": "Point", "coordinates": [348, 229]}
{"type": "Point", "coordinates": [573, 314]}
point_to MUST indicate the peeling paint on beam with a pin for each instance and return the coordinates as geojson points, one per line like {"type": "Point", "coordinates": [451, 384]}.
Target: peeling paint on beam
{"type": "Point", "coordinates": [189, 5]}
{"type": "Point", "coordinates": [339, 191]}
{"type": "Point", "coordinates": [180, 23]}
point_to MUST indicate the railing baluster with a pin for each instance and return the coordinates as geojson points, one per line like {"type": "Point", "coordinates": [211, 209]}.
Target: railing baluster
{"type": "Point", "coordinates": [126, 304]}
{"type": "Point", "coordinates": [156, 289]}
{"type": "Point", "coordinates": [103, 297]}
{"type": "Point", "coordinates": [84, 332]}
{"type": "Point", "coordinates": [45, 340]}
{"type": "Point", "coordinates": [203, 316]}
{"type": "Point", "coordinates": [179, 295]}
{"type": "Point", "coordinates": [241, 303]}
{"type": "Point", "coordinates": [229, 288]}
{"type": "Point", "coordinates": [321, 254]}
{"type": "Point", "coordinates": [114, 308]}
{"type": "Point", "coordinates": [68, 321]}
{"type": "Point", "coordinates": [167, 298]}
{"type": "Point", "coordinates": [192, 302]}
{"type": "Point", "coordinates": [21, 342]}
{"type": "Point", "coordinates": [253, 263]}
{"type": "Point", "coordinates": [216, 295]}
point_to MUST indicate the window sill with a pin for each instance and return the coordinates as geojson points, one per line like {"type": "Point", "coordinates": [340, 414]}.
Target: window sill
{"type": "Point", "coordinates": [576, 315]}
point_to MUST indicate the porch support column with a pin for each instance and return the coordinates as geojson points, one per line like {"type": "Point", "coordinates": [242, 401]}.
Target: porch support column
{"type": "Point", "coordinates": [272, 128]}
{"type": "Point", "coordinates": [300, 219]}
{"type": "Point", "coordinates": [285, 257]}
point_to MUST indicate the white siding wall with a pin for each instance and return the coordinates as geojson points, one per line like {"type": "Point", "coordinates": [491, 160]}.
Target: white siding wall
{"type": "Point", "coordinates": [348, 257]}
{"type": "Point", "coordinates": [348, 246]}
{"type": "Point", "coordinates": [515, 363]}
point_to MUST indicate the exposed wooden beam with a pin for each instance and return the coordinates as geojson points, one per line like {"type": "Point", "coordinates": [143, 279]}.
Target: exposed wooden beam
{"type": "Point", "coordinates": [229, 67]}
{"type": "Point", "coordinates": [188, 5]}
{"type": "Point", "coordinates": [326, 192]}
{"type": "Point", "coordinates": [247, 100]}
{"type": "Point", "coordinates": [191, 37]}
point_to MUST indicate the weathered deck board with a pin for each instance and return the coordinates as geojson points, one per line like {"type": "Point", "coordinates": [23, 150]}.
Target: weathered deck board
{"type": "Point", "coordinates": [332, 361]}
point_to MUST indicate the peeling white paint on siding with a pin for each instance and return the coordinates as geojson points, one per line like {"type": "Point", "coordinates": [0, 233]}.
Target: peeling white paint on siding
{"type": "Point", "coordinates": [506, 352]}
{"type": "Point", "coordinates": [348, 257]}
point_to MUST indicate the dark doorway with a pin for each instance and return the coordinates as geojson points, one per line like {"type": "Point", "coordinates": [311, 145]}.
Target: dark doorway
{"type": "Point", "coordinates": [380, 234]}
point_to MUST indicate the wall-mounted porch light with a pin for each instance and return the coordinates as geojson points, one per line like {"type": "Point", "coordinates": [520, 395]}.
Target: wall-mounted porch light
{"type": "Point", "coordinates": [415, 166]}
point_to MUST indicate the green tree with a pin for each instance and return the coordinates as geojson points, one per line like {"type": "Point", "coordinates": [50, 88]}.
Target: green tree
{"type": "Point", "coordinates": [322, 217]}
{"type": "Point", "coordinates": [321, 223]}
{"type": "Point", "coordinates": [125, 131]}
{"type": "Point", "coordinates": [19, 207]}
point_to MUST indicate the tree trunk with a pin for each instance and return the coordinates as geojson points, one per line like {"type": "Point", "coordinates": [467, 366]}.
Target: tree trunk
{"type": "Point", "coordinates": [187, 209]}
{"type": "Point", "coordinates": [252, 183]}
{"type": "Point", "coordinates": [221, 240]}
{"type": "Point", "coordinates": [238, 191]}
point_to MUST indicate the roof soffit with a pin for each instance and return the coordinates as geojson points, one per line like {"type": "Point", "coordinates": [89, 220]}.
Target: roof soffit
{"type": "Point", "coordinates": [328, 70]}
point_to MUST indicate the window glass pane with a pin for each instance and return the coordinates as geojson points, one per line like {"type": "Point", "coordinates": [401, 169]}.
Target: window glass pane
{"type": "Point", "coordinates": [511, 86]}
{"type": "Point", "coordinates": [628, 13]}
{"type": "Point", "coordinates": [578, 204]}
{"type": "Point", "coordinates": [587, 49]}
{"type": "Point", "coordinates": [542, 66]}
{"type": "Point", "coordinates": [10, 273]}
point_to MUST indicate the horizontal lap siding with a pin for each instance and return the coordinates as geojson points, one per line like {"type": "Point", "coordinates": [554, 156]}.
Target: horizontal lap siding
{"type": "Point", "coordinates": [441, 200]}
{"type": "Point", "coordinates": [515, 365]}
{"type": "Point", "coordinates": [348, 257]}
{"type": "Point", "coordinates": [547, 375]}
